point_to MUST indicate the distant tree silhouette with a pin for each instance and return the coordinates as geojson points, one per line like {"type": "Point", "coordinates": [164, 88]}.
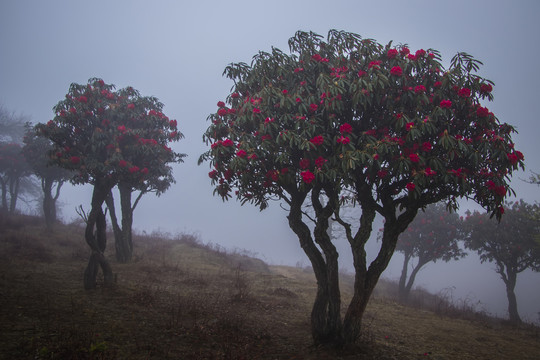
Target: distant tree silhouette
{"type": "Point", "coordinates": [432, 236]}
{"type": "Point", "coordinates": [392, 127]}
{"type": "Point", "coordinates": [509, 244]}
{"type": "Point", "coordinates": [37, 152]}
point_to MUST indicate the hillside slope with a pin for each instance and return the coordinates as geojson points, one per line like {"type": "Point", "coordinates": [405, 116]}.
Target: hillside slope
{"type": "Point", "coordinates": [180, 299]}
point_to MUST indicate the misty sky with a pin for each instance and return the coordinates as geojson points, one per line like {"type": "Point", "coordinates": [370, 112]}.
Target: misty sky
{"type": "Point", "coordinates": [177, 50]}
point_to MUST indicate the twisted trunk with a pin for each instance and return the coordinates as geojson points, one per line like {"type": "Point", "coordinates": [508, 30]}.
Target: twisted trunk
{"type": "Point", "coordinates": [97, 240]}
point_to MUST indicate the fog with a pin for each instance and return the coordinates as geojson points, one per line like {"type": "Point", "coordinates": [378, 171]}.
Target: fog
{"type": "Point", "coordinates": [177, 50]}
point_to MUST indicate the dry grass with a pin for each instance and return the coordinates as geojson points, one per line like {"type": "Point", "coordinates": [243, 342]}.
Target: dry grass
{"type": "Point", "coordinates": [180, 299]}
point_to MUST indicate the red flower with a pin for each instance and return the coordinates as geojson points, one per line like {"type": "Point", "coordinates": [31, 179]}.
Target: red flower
{"type": "Point", "coordinates": [317, 140]}
{"type": "Point", "coordinates": [396, 71]}
{"type": "Point", "coordinates": [227, 143]}
{"type": "Point", "coordinates": [173, 124]}
{"type": "Point", "coordinates": [307, 176]}
{"type": "Point", "coordinates": [404, 51]}
{"type": "Point", "coordinates": [345, 128]}
{"type": "Point", "coordinates": [122, 163]}
{"type": "Point", "coordinates": [222, 112]}
{"type": "Point", "coordinates": [430, 172]}
{"type": "Point", "coordinates": [500, 190]}
{"type": "Point", "coordinates": [298, 100]}
{"type": "Point", "coordinates": [72, 110]}
{"type": "Point", "coordinates": [320, 161]}
{"type": "Point", "coordinates": [482, 112]}
{"type": "Point", "coordinates": [313, 107]}
{"type": "Point", "coordinates": [410, 186]}
{"type": "Point", "coordinates": [437, 84]}
{"type": "Point", "coordinates": [235, 95]}
{"type": "Point", "coordinates": [490, 185]}
{"type": "Point", "coordinates": [514, 158]}
{"type": "Point", "coordinates": [344, 140]}
{"type": "Point", "coordinates": [121, 128]}
{"type": "Point", "coordinates": [304, 163]}
{"type": "Point", "coordinates": [420, 89]}
{"type": "Point", "coordinates": [409, 126]}
{"type": "Point", "coordinates": [133, 169]}
{"type": "Point", "coordinates": [361, 73]}
{"type": "Point", "coordinates": [392, 53]}
{"type": "Point", "coordinates": [144, 171]}
{"type": "Point", "coordinates": [486, 88]}
{"type": "Point", "coordinates": [256, 110]}
{"type": "Point", "coordinates": [131, 106]}
{"type": "Point", "coordinates": [241, 153]}
{"type": "Point", "coordinates": [420, 53]}
{"type": "Point", "coordinates": [426, 146]}
{"type": "Point", "coordinates": [83, 99]}
{"type": "Point", "coordinates": [221, 104]}
{"type": "Point", "coordinates": [298, 70]}
{"type": "Point", "coordinates": [414, 158]}
{"type": "Point", "coordinates": [464, 93]}
{"type": "Point", "coordinates": [374, 64]}
{"type": "Point", "coordinates": [75, 160]}
{"type": "Point", "coordinates": [445, 104]}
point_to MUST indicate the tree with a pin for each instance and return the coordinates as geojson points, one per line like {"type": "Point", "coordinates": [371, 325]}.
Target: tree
{"type": "Point", "coordinates": [11, 126]}
{"type": "Point", "coordinates": [102, 136]}
{"type": "Point", "coordinates": [432, 236]}
{"type": "Point", "coordinates": [37, 151]}
{"type": "Point", "coordinates": [391, 127]}
{"type": "Point", "coordinates": [158, 171]}
{"type": "Point", "coordinates": [510, 244]}
{"type": "Point", "coordinates": [13, 168]}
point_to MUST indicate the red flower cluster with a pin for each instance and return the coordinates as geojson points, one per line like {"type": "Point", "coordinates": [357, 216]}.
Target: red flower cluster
{"type": "Point", "coordinates": [396, 71]}
{"type": "Point", "coordinates": [514, 157]}
{"type": "Point", "coordinates": [344, 140]}
{"type": "Point", "coordinates": [414, 158]}
{"type": "Point", "coordinates": [482, 112]}
{"type": "Point", "coordinates": [345, 128]}
{"type": "Point", "coordinates": [304, 163]}
{"type": "Point", "coordinates": [241, 153]}
{"type": "Point", "coordinates": [307, 176]}
{"type": "Point", "coordinates": [410, 186]}
{"type": "Point", "coordinates": [392, 53]}
{"type": "Point", "coordinates": [317, 140]}
{"type": "Point", "coordinates": [420, 89]}
{"type": "Point", "coordinates": [134, 169]}
{"type": "Point", "coordinates": [486, 88]}
{"type": "Point", "coordinates": [464, 93]}
{"type": "Point", "coordinates": [445, 104]}
{"type": "Point", "coordinates": [320, 161]}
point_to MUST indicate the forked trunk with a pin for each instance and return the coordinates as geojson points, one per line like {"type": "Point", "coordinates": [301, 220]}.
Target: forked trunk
{"type": "Point", "coordinates": [97, 240]}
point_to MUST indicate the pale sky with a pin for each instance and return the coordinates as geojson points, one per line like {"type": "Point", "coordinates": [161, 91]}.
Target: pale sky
{"type": "Point", "coordinates": [177, 50]}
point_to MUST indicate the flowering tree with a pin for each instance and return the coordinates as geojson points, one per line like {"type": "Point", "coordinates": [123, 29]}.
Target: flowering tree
{"type": "Point", "coordinates": [36, 151]}
{"type": "Point", "coordinates": [389, 126]}
{"type": "Point", "coordinates": [510, 244]}
{"type": "Point", "coordinates": [432, 236]}
{"type": "Point", "coordinates": [154, 165]}
{"type": "Point", "coordinates": [108, 138]}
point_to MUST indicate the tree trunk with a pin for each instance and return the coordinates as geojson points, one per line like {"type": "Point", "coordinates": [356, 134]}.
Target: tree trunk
{"type": "Point", "coordinates": [49, 203]}
{"type": "Point", "coordinates": [325, 327]}
{"type": "Point", "coordinates": [512, 301]}
{"type": "Point", "coordinates": [412, 277]}
{"type": "Point", "coordinates": [403, 279]}
{"type": "Point", "coordinates": [13, 194]}
{"type": "Point", "coordinates": [116, 228]}
{"type": "Point", "coordinates": [97, 240]}
{"type": "Point", "coordinates": [123, 236]}
{"type": "Point", "coordinates": [4, 196]}
{"type": "Point", "coordinates": [127, 223]}
{"type": "Point", "coordinates": [366, 278]}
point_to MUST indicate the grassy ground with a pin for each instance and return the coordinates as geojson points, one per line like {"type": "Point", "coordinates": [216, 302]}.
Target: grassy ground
{"type": "Point", "coordinates": [179, 299]}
